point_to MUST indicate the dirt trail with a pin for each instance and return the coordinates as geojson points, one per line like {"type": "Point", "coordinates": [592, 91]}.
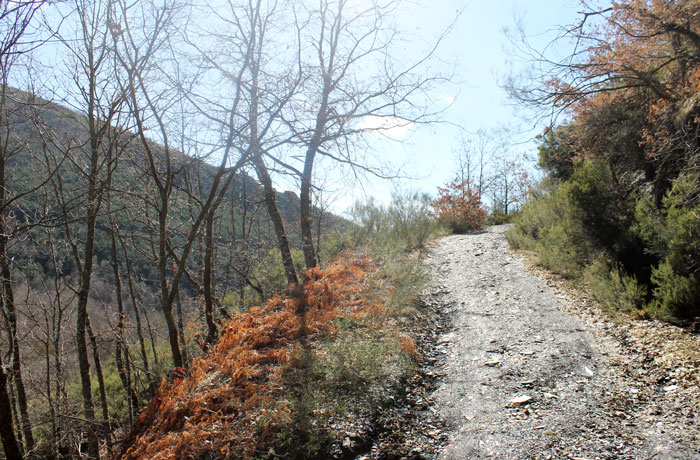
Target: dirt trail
{"type": "Point", "coordinates": [524, 379]}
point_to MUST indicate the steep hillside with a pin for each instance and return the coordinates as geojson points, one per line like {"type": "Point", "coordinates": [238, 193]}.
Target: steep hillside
{"type": "Point", "coordinates": [49, 146]}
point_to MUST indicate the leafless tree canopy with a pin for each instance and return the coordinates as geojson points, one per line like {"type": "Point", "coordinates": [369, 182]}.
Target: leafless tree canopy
{"type": "Point", "coordinates": [139, 142]}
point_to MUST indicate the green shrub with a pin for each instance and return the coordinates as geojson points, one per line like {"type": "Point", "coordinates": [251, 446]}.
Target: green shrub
{"type": "Point", "coordinates": [499, 217]}
{"type": "Point", "coordinates": [613, 288]}
{"type": "Point", "coordinates": [570, 225]}
{"type": "Point", "coordinates": [407, 279]}
{"type": "Point", "coordinates": [675, 295]}
{"type": "Point", "coordinates": [410, 221]}
{"type": "Point", "coordinates": [333, 246]}
{"type": "Point", "coordinates": [371, 219]}
{"type": "Point", "coordinates": [672, 233]}
{"type": "Point", "coordinates": [602, 212]}
{"type": "Point", "coordinates": [404, 225]}
{"type": "Point", "coordinates": [547, 227]}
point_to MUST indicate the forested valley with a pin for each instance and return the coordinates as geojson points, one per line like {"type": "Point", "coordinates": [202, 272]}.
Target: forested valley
{"type": "Point", "coordinates": [175, 282]}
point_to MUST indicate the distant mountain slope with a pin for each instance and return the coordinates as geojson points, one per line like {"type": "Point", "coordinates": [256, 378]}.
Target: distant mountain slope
{"type": "Point", "coordinates": [39, 134]}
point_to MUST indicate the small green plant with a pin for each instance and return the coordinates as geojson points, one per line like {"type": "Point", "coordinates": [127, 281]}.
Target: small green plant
{"type": "Point", "coordinates": [614, 289]}
{"type": "Point", "coordinates": [407, 281]}
{"type": "Point", "coordinates": [269, 276]}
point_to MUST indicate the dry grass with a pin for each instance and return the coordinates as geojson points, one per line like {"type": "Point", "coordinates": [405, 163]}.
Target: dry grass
{"type": "Point", "coordinates": [236, 401]}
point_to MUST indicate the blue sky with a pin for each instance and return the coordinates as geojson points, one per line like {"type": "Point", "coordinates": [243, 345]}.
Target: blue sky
{"type": "Point", "coordinates": [477, 47]}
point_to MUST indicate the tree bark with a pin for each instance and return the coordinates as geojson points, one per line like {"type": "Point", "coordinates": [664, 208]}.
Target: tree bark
{"type": "Point", "coordinates": [85, 281]}
{"type": "Point", "coordinates": [101, 384]}
{"type": "Point", "coordinates": [181, 327]}
{"type": "Point", "coordinates": [9, 306]}
{"type": "Point", "coordinates": [165, 303]}
{"type": "Point", "coordinates": [7, 433]}
{"type": "Point", "coordinates": [307, 238]}
{"type": "Point", "coordinates": [121, 348]}
{"type": "Point", "coordinates": [137, 314]}
{"type": "Point", "coordinates": [276, 217]}
{"type": "Point", "coordinates": [306, 224]}
{"type": "Point", "coordinates": [8, 297]}
{"type": "Point", "coordinates": [208, 279]}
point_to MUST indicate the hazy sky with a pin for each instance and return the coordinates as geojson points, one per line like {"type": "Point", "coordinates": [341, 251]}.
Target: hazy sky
{"type": "Point", "coordinates": [477, 48]}
{"type": "Point", "coordinates": [475, 51]}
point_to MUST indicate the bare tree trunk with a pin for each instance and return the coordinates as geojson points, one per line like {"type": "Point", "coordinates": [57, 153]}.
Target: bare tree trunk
{"type": "Point", "coordinates": [15, 40]}
{"type": "Point", "coordinates": [165, 289]}
{"type": "Point", "coordinates": [276, 217]}
{"type": "Point", "coordinates": [208, 279]}
{"type": "Point", "coordinates": [8, 298]}
{"type": "Point", "coordinates": [56, 336]}
{"type": "Point", "coordinates": [121, 347]}
{"type": "Point", "coordinates": [101, 384]}
{"type": "Point", "coordinates": [319, 225]}
{"type": "Point", "coordinates": [86, 385]}
{"type": "Point", "coordinates": [256, 39]}
{"type": "Point", "coordinates": [83, 296]}
{"type": "Point", "coordinates": [137, 315]}
{"type": "Point", "coordinates": [49, 393]}
{"type": "Point", "coordinates": [153, 342]}
{"type": "Point", "coordinates": [15, 414]}
{"type": "Point", "coordinates": [181, 327]}
{"type": "Point", "coordinates": [7, 433]}
{"type": "Point", "coordinates": [306, 223]}
{"type": "Point", "coordinates": [9, 306]}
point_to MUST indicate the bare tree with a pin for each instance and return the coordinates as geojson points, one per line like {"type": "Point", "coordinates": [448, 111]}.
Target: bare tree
{"type": "Point", "coordinates": [259, 88]}
{"type": "Point", "coordinates": [55, 305]}
{"type": "Point", "coordinates": [266, 103]}
{"type": "Point", "coordinates": [137, 45]}
{"type": "Point", "coordinates": [353, 77]}
{"type": "Point", "coordinates": [15, 41]}
{"type": "Point", "coordinates": [511, 183]}
{"type": "Point", "coordinates": [474, 159]}
{"type": "Point", "coordinates": [93, 157]}
{"type": "Point", "coordinates": [166, 165]}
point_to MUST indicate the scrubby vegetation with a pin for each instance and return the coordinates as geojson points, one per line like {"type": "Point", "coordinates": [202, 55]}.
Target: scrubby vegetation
{"type": "Point", "coordinates": [459, 207]}
{"type": "Point", "coordinates": [620, 206]}
{"type": "Point", "coordinates": [284, 371]}
{"type": "Point", "coordinates": [405, 224]}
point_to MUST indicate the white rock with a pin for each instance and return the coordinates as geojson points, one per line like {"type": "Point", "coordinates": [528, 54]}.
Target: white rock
{"type": "Point", "coordinates": [520, 400]}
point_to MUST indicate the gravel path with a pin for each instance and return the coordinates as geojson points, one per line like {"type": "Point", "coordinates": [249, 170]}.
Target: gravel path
{"type": "Point", "coordinates": [525, 379]}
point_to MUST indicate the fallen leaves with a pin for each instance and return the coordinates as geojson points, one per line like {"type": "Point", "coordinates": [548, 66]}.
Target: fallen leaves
{"type": "Point", "coordinates": [231, 401]}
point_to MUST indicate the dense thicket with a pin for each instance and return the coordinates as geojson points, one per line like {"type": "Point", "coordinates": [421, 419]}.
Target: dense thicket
{"type": "Point", "coordinates": [621, 201]}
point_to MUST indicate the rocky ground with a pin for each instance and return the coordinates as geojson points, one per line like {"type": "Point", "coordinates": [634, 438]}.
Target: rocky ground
{"type": "Point", "coordinates": [516, 363]}
{"type": "Point", "coordinates": [533, 371]}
